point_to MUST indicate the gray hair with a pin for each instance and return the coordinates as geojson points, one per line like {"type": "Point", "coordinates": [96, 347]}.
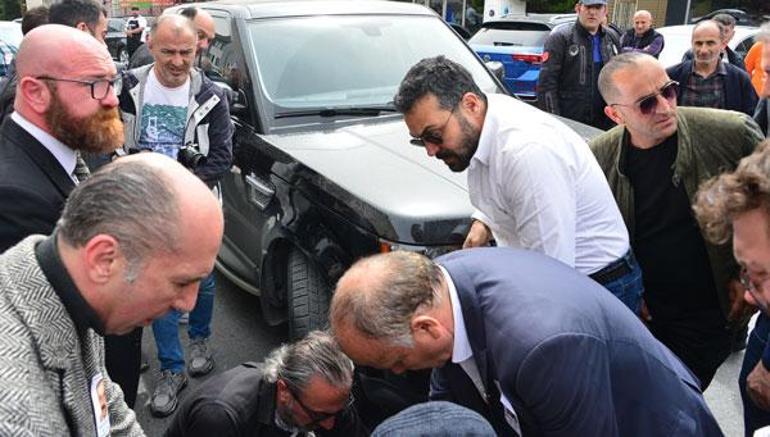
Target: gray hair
{"type": "Point", "coordinates": [607, 87]}
{"type": "Point", "coordinates": [316, 354]}
{"type": "Point", "coordinates": [409, 282]}
{"type": "Point", "coordinates": [439, 76]}
{"type": "Point", "coordinates": [764, 33]}
{"type": "Point", "coordinates": [718, 24]}
{"type": "Point", "coordinates": [724, 19]}
{"type": "Point", "coordinates": [130, 201]}
{"type": "Point", "coordinates": [178, 23]}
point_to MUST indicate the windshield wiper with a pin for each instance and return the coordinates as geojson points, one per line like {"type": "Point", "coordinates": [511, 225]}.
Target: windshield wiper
{"type": "Point", "coordinates": [362, 111]}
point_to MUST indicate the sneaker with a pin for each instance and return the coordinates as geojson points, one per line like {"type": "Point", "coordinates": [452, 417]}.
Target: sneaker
{"type": "Point", "coordinates": [201, 362]}
{"type": "Point", "coordinates": [164, 398]}
{"type": "Point", "coordinates": [184, 319]}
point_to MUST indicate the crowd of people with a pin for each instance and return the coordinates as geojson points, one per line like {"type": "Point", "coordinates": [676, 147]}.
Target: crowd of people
{"type": "Point", "coordinates": [600, 286]}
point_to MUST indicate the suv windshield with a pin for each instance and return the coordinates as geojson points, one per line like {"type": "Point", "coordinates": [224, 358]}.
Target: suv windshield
{"type": "Point", "coordinates": [350, 61]}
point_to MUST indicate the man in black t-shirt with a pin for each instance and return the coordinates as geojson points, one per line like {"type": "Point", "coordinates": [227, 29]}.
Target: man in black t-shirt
{"type": "Point", "coordinates": [654, 161]}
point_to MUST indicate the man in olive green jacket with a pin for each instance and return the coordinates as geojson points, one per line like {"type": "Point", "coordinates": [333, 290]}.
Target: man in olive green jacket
{"type": "Point", "coordinates": [654, 162]}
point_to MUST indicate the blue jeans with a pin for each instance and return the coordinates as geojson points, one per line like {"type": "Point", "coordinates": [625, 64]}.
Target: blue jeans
{"type": "Point", "coordinates": [629, 287]}
{"type": "Point", "coordinates": [754, 417]}
{"type": "Point", "coordinates": [166, 328]}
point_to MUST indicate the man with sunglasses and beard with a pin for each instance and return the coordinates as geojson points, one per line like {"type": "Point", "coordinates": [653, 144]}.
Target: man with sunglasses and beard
{"type": "Point", "coordinates": [533, 180]}
{"type": "Point", "coordinates": [65, 105]}
{"type": "Point", "coordinates": [299, 388]}
{"type": "Point", "coordinates": [654, 161]}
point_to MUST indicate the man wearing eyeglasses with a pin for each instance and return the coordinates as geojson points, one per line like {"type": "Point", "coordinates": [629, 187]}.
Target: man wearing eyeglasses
{"type": "Point", "coordinates": [65, 104]}
{"type": "Point", "coordinates": [532, 180]}
{"type": "Point", "coordinates": [300, 388]}
{"type": "Point", "coordinates": [735, 205]}
{"type": "Point", "coordinates": [654, 161]}
{"type": "Point", "coordinates": [171, 108]}
{"type": "Point", "coordinates": [708, 82]}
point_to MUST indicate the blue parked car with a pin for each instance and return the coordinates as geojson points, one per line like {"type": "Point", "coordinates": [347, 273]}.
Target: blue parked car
{"type": "Point", "coordinates": [517, 42]}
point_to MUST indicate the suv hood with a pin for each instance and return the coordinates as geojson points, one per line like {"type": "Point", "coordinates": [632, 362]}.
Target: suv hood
{"type": "Point", "coordinates": [393, 187]}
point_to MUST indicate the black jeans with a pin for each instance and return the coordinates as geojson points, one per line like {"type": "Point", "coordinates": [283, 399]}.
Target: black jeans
{"type": "Point", "coordinates": [123, 359]}
{"type": "Point", "coordinates": [699, 339]}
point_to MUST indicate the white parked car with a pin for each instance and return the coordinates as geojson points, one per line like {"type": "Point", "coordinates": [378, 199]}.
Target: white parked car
{"type": "Point", "coordinates": [677, 42]}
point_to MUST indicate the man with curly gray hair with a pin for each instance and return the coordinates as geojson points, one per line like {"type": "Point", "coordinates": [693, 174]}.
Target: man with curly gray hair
{"type": "Point", "coordinates": [299, 388]}
{"type": "Point", "coordinates": [737, 205]}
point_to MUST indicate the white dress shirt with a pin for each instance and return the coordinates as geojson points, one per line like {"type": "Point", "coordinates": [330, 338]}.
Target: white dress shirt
{"type": "Point", "coordinates": [66, 157]}
{"type": "Point", "coordinates": [537, 185]}
{"type": "Point", "coordinates": [462, 355]}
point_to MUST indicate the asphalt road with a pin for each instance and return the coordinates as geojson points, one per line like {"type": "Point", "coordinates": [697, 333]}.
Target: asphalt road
{"type": "Point", "coordinates": [239, 335]}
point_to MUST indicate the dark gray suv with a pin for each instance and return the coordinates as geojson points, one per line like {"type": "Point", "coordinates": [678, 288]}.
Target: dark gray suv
{"type": "Point", "coordinates": [323, 169]}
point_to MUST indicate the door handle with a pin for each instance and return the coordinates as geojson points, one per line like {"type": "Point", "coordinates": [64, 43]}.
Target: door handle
{"type": "Point", "coordinates": [260, 192]}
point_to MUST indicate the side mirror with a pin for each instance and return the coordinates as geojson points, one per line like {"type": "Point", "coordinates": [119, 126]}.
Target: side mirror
{"type": "Point", "coordinates": [497, 68]}
{"type": "Point", "coordinates": [236, 100]}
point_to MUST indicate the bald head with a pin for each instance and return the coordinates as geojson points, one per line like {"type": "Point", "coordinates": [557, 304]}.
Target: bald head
{"type": "Point", "coordinates": [608, 80]}
{"type": "Point", "coordinates": [52, 49]}
{"type": "Point", "coordinates": [148, 201]}
{"type": "Point", "coordinates": [172, 25]}
{"type": "Point", "coordinates": [378, 295]}
{"type": "Point", "coordinates": [642, 22]}
{"type": "Point", "coordinates": [204, 25]}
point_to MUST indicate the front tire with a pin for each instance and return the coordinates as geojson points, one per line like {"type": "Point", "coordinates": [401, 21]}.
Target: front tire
{"type": "Point", "coordinates": [308, 296]}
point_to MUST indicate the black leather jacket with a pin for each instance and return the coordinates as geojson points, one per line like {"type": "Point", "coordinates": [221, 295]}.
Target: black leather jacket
{"type": "Point", "coordinates": [568, 82]}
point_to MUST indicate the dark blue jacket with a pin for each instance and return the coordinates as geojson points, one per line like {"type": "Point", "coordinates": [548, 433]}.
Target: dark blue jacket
{"type": "Point", "coordinates": [762, 116]}
{"type": "Point", "coordinates": [568, 355]}
{"type": "Point", "coordinates": [739, 92]}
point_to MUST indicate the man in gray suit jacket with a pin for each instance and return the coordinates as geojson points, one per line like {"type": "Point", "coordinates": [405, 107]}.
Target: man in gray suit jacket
{"type": "Point", "coordinates": [133, 242]}
{"type": "Point", "coordinates": [529, 343]}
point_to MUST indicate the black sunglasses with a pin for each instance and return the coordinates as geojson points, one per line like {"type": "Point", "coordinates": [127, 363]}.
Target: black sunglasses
{"type": "Point", "coordinates": [317, 417]}
{"type": "Point", "coordinates": [648, 104]}
{"type": "Point", "coordinates": [432, 136]}
{"type": "Point", "coordinates": [100, 88]}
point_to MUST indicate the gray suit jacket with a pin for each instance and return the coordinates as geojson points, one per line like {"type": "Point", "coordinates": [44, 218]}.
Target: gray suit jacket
{"type": "Point", "coordinates": [45, 366]}
{"type": "Point", "coordinates": [568, 355]}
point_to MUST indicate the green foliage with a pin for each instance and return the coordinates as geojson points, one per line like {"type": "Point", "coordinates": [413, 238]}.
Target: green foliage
{"type": "Point", "coordinates": [10, 9]}
{"type": "Point", "coordinates": [551, 6]}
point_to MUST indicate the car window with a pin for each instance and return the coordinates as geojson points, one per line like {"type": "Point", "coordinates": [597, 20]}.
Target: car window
{"type": "Point", "coordinates": [337, 61]}
{"type": "Point", "coordinates": [115, 25]}
{"type": "Point", "coordinates": [512, 34]}
{"type": "Point", "coordinates": [743, 47]}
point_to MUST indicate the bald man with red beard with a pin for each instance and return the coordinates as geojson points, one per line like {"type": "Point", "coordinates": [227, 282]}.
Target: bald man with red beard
{"type": "Point", "coordinates": [65, 104]}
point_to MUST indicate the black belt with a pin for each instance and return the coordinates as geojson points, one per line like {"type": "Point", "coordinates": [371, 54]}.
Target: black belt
{"type": "Point", "coordinates": [615, 270]}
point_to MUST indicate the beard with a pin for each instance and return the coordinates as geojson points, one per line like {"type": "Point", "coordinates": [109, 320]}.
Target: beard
{"type": "Point", "coordinates": [101, 132]}
{"type": "Point", "coordinates": [459, 159]}
{"type": "Point", "coordinates": [287, 418]}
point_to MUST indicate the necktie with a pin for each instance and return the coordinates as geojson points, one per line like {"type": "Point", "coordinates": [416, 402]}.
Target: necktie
{"type": "Point", "coordinates": [81, 172]}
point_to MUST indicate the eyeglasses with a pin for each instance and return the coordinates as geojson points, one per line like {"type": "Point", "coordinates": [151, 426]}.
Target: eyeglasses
{"type": "Point", "coordinates": [317, 417]}
{"type": "Point", "coordinates": [648, 104]}
{"type": "Point", "coordinates": [100, 88]}
{"type": "Point", "coordinates": [753, 290]}
{"type": "Point", "coordinates": [433, 136]}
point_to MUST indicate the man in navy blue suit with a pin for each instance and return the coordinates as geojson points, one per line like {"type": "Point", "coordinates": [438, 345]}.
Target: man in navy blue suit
{"type": "Point", "coordinates": [531, 344]}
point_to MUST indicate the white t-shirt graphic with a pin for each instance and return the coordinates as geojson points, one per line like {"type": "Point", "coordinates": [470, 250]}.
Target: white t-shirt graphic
{"type": "Point", "coordinates": [163, 117]}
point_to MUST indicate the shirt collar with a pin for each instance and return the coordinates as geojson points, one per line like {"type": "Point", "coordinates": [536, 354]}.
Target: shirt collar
{"type": "Point", "coordinates": [66, 157]}
{"type": "Point", "coordinates": [488, 132]}
{"type": "Point", "coordinates": [721, 70]}
{"type": "Point", "coordinates": [461, 349]}
{"type": "Point", "coordinates": [81, 313]}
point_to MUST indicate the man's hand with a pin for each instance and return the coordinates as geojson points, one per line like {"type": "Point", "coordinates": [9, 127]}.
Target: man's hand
{"type": "Point", "coordinates": [644, 312]}
{"type": "Point", "coordinates": [479, 235]}
{"type": "Point", "coordinates": [740, 310]}
{"type": "Point", "coordinates": [758, 386]}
